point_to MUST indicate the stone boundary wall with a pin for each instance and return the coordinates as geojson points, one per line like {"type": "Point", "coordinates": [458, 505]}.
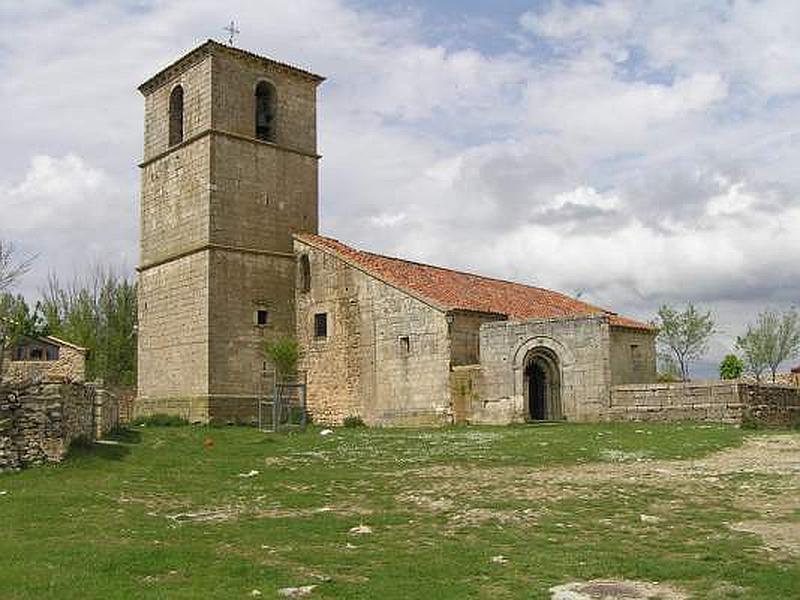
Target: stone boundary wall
{"type": "Point", "coordinates": [39, 422]}
{"type": "Point", "coordinates": [716, 401]}
{"type": "Point", "coordinates": [771, 405]}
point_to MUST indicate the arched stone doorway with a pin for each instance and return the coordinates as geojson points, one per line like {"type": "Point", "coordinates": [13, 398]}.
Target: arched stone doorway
{"type": "Point", "coordinates": [542, 385]}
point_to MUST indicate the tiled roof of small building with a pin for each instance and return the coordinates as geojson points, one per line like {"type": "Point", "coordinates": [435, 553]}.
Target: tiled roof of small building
{"type": "Point", "coordinates": [456, 290]}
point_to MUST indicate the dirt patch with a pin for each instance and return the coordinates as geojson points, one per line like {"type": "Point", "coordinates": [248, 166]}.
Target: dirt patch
{"type": "Point", "coordinates": [780, 538]}
{"type": "Point", "coordinates": [770, 465]}
{"type": "Point", "coordinates": [616, 590]}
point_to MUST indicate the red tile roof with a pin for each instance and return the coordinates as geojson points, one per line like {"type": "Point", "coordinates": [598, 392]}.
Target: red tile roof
{"type": "Point", "coordinates": [455, 290]}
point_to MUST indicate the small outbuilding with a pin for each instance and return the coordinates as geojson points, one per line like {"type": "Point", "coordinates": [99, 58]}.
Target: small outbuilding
{"type": "Point", "coordinates": [46, 358]}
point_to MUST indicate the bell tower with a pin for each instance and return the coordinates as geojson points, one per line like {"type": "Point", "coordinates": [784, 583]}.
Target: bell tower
{"type": "Point", "coordinates": [229, 174]}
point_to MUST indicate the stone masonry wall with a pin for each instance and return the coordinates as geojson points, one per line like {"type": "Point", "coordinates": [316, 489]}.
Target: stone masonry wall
{"type": "Point", "coordinates": [465, 334]}
{"type": "Point", "coordinates": [196, 83]}
{"type": "Point", "coordinates": [716, 401]}
{"type": "Point", "coordinates": [173, 338]}
{"type": "Point", "coordinates": [582, 348]}
{"type": "Point", "coordinates": [696, 401]}
{"type": "Point", "coordinates": [364, 367]}
{"type": "Point", "coordinates": [771, 405]}
{"type": "Point", "coordinates": [38, 422]}
{"type": "Point", "coordinates": [633, 356]}
{"type": "Point", "coordinates": [234, 108]}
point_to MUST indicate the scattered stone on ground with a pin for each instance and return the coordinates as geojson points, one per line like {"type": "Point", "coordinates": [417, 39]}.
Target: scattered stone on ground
{"type": "Point", "coordinates": [499, 559]}
{"type": "Point", "coordinates": [252, 473]}
{"type": "Point", "coordinates": [326, 432]}
{"type": "Point", "coordinates": [616, 590]}
{"type": "Point", "coordinates": [204, 516]}
{"type": "Point", "coordinates": [255, 593]}
{"type": "Point", "coordinates": [296, 592]}
{"type": "Point", "coordinates": [361, 530]}
{"type": "Point", "coordinates": [649, 519]}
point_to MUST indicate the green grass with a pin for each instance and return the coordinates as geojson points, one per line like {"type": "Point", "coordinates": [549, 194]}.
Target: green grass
{"type": "Point", "coordinates": [107, 523]}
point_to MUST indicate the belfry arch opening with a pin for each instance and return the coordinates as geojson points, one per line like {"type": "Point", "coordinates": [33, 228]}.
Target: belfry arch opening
{"type": "Point", "coordinates": [265, 111]}
{"type": "Point", "coordinates": [176, 116]}
{"type": "Point", "coordinates": [542, 385]}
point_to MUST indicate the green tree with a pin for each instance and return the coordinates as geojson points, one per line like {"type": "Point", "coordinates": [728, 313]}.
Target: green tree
{"type": "Point", "coordinates": [771, 340]}
{"type": "Point", "coordinates": [99, 313]}
{"type": "Point", "coordinates": [731, 367]}
{"type": "Point", "coordinates": [284, 354]}
{"type": "Point", "coordinates": [684, 335]}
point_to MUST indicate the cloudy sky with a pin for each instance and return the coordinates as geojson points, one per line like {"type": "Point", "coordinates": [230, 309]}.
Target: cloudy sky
{"type": "Point", "coordinates": [633, 151]}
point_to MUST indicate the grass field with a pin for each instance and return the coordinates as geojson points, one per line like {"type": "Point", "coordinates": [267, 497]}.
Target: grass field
{"type": "Point", "coordinates": [455, 513]}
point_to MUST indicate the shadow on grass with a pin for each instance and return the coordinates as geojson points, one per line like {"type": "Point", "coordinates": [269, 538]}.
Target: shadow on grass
{"type": "Point", "coordinates": [114, 446]}
{"type": "Point", "coordinates": [124, 435]}
{"type": "Point", "coordinates": [103, 451]}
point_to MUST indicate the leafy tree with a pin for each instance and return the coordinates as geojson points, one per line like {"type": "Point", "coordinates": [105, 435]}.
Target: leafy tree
{"type": "Point", "coordinates": [684, 335]}
{"type": "Point", "coordinates": [99, 313]}
{"type": "Point", "coordinates": [769, 342]}
{"type": "Point", "coordinates": [731, 367]}
{"type": "Point", "coordinates": [284, 354]}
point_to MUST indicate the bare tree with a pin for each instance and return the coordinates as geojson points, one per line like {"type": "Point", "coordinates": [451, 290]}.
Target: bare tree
{"type": "Point", "coordinates": [773, 339]}
{"type": "Point", "coordinates": [684, 335]}
{"type": "Point", "coordinates": [11, 271]}
{"type": "Point", "coordinates": [11, 268]}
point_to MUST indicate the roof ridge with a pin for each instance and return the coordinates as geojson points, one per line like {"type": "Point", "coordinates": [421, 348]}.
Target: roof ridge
{"type": "Point", "coordinates": [459, 272]}
{"type": "Point", "coordinates": [209, 46]}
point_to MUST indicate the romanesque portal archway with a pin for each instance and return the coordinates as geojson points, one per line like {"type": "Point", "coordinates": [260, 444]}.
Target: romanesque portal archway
{"type": "Point", "coordinates": [542, 385]}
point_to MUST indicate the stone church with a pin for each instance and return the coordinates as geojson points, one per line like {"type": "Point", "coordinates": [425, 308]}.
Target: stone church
{"type": "Point", "coordinates": [231, 255]}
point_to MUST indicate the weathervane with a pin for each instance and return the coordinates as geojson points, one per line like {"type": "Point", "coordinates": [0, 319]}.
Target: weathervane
{"type": "Point", "coordinates": [232, 32]}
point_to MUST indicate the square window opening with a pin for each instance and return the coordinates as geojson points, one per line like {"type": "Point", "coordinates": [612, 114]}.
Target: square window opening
{"type": "Point", "coordinates": [262, 317]}
{"type": "Point", "coordinates": [405, 345]}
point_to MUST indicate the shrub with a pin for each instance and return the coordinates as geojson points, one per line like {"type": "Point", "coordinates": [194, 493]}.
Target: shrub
{"type": "Point", "coordinates": [161, 420]}
{"type": "Point", "coordinates": [731, 367]}
{"type": "Point", "coordinates": [353, 421]}
{"type": "Point", "coordinates": [283, 353]}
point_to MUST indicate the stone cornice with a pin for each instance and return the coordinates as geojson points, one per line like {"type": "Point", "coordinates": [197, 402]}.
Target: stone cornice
{"type": "Point", "coordinates": [204, 247]}
{"type": "Point", "coordinates": [195, 56]}
{"type": "Point", "coordinates": [228, 134]}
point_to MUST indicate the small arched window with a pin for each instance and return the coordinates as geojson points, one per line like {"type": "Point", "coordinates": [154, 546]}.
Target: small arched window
{"type": "Point", "coordinates": [305, 273]}
{"type": "Point", "coordinates": [265, 111]}
{"type": "Point", "coordinates": [176, 116]}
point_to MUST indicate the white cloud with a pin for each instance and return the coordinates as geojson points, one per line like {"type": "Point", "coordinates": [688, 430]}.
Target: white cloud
{"type": "Point", "coordinates": [641, 152]}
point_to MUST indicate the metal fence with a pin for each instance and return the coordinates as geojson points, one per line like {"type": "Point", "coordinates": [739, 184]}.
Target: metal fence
{"type": "Point", "coordinates": [284, 408]}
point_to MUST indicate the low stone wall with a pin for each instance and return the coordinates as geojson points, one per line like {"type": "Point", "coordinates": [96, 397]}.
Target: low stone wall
{"type": "Point", "coordinates": [39, 422]}
{"type": "Point", "coordinates": [771, 405]}
{"type": "Point", "coordinates": [717, 401]}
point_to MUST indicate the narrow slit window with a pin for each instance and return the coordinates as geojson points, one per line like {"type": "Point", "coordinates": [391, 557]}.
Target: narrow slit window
{"type": "Point", "coordinates": [321, 325]}
{"type": "Point", "coordinates": [262, 317]}
{"type": "Point", "coordinates": [265, 111]}
{"type": "Point", "coordinates": [405, 345]}
{"type": "Point", "coordinates": [176, 116]}
{"type": "Point", "coordinates": [305, 273]}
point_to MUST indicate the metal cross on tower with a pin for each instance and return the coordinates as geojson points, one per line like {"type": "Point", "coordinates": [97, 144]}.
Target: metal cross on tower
{"type": "Point", "coordinates": [232, 32]}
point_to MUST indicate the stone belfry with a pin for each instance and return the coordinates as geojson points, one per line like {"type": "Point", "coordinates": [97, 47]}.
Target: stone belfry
{"type": "Point", "coordinates": [229, 174]}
